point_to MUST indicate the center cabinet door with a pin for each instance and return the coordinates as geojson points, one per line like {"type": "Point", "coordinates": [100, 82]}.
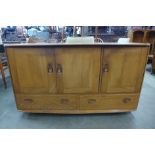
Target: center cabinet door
{"type": "Point", "coordinates": [32, 70]}
{"type": "Point", "coordinates": [78, 69]}
{"type": "Point", "coordinates": [123, 69]}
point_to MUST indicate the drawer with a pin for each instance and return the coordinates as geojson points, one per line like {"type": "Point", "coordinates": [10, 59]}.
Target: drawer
{"type": "Point", "coordinates": [109, 102]}
{"type": "Point", "coordinates": [47, 102]}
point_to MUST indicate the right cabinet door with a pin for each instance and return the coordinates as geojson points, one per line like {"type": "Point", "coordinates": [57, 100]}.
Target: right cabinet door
{"type": "Point", "coordinates": [123, 69]}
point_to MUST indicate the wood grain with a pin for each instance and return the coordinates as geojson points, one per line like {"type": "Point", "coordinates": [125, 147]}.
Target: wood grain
{"type": "Point", "coordinates": [77, 79]}
{"type": "Point", "coordinates": [125, 69]}
{"type": "Point", "coordinates": [29, 69]}
{"type": "Point", "coordinates": [47, 102]}
{"type": "Point", "coordinates": [80, 69]}
{"type": "Point", "coordinates": [53, 103]}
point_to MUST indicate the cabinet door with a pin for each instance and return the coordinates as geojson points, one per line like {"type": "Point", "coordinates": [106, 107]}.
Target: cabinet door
{"type": "Point", "coordinates": [123, 69]}
{"type": "Point", "coordinates": [78, 69]}
{"type": "Point", "coordinates": [32, 70]}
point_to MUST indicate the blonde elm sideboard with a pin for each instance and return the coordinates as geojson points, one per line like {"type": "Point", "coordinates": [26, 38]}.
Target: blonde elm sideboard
{"type": "Point", "coordinates": [77, 78]}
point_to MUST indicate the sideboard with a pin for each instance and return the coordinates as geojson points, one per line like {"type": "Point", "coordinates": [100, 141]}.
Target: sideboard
{"type": "Point", "coordinates": [77, 78]}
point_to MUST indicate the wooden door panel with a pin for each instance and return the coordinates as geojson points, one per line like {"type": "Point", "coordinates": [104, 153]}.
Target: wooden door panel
{"type": "Point", "coordinates": [125, 69]}
{"type": "Point", "coordinates": [80, 69]}
{"type": "Point", "coordinates": [29, 69]}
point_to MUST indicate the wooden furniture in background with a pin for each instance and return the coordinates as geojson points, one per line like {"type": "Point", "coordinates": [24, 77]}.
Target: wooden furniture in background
{"type": "Point", "coordinates": [150, 38]}
{"type": "Point", "coordinates": [77, 78]}
{"type": "Point", "coordinates": [137, 35]}
{"type": "Point", "coordinates": [153, 65]}
{"type": "Point", "coordinates": [145, 36]}
{"type": "Point", "coordinates": [2, 68]}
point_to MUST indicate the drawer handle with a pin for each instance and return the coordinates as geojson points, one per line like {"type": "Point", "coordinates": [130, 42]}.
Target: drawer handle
{"type": "Point", "coordinates": [50, 68]}
{"type": "Point", "coordinates": [91, 101]}
{"type": "Point", "coordinates": [126, 100]}
{"type": "Point", "coordinates": [105, 68]}
{"type": "Point", "coordinates": [59, 68]}
{"type": "Point", "coordinates": [64, 101]}
{"type": "Point", "coordinates": [28, 101]}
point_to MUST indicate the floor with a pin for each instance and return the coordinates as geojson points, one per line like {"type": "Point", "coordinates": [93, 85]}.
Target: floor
{"type": "Point", "coordinates": [144, 117]}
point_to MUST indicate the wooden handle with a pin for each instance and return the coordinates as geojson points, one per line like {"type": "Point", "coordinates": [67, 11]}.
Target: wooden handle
{"type": "Point", "coordinates": [50, 68]}
{"type": "Point", "coordinates": [59, 68]}
{"type": "Point", "coordinates": [27, 101]}
{"type": "Point", "coordinates": [105, 68]}
{"type": "Point", "coordinates": [91, 101]}
{"type": "Point", "coordinates": [126, 100]}
{"type": "Point", "coordinates": [64, 101]}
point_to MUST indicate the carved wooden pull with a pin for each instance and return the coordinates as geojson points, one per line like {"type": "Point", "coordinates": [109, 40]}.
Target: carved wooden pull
{"type": "Point", "coordinates": [126, 100]}
{"type": "Point", "coordinates": [50, 68]}
{"type": "Point", "coordinates": [59, 68]}
{"type": "Point", "coordinates": [105, 68]}
{"type": "Point", "coordinates": [91, 101]}
{"type": "Point", "coordinates": [28, 101]}
{"type": "Point", "coordinates": [64, 101]}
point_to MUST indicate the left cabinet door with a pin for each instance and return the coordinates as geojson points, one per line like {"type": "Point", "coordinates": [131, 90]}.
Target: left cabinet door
{"type": "Point", "coordinates": [32, 69]}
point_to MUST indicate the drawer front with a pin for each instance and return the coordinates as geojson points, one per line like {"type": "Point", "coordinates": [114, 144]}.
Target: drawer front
{"type": "Point", "coordinates": [108, 102]}
{"type": "Point", "coordinates": [47, 102]}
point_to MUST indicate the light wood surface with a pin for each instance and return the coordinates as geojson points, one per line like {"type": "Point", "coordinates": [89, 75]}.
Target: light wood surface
{"type": "Point", "coordinates": [77, 102]}
{"type": "Point", "coordinates": [47, 102]}
{"type": "Point", "coordinates": [77, 79]}
{"type": "Point", "coordinates": [80, 69]}
{"type": "Point", "coordinates": [124, 69]}
{"type": "Point", "coordinates": [29, 70]}
{"type": "Point", "coordinates": [108, 102]}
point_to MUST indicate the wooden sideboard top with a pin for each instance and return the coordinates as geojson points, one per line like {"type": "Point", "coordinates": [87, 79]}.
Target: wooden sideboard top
{"type": "Point", "coordinates": [77, 44]}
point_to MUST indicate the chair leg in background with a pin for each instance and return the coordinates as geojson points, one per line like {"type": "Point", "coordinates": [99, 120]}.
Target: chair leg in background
{"type": "Point", "coordinates": [3, 78]}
